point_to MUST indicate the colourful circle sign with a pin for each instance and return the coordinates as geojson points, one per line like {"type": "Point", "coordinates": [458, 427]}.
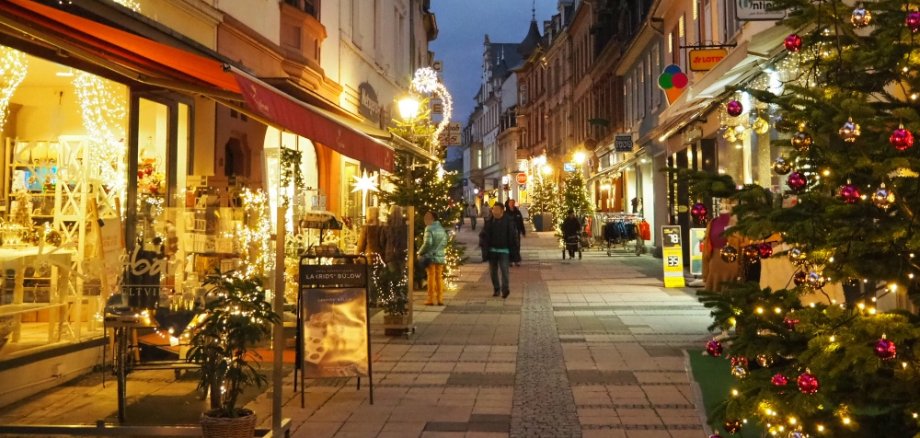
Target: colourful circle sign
{"type": "Point", "coordinates": [521, 178]}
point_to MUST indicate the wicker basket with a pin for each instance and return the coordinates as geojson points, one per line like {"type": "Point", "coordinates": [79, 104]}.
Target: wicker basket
{"type": "Point", "coordinates": [219, 427]}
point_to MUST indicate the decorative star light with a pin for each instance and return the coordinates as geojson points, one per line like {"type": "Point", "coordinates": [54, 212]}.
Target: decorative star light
{"type": "Point", "coordinates": [425, 80]}
{"type": "Point", "coordinates": [365, 183]}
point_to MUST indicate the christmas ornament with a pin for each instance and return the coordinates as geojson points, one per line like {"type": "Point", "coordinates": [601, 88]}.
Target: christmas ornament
{"type": "Point", "coordinates": [699, 211]}
{"type": "Point", "coordinates": [797, 256]}
{"type": "Point", "coordinates": [790, 323]}
{"type": "Point", "coordinates": [714, 348]}
{"type": "Point", "coordinates": [738, 361]}
{"type": "Point", "coordinates": [760, 126]}
{"type": "Point", "coordinates": [796, 181]}
{"type": "Point", "coordinates": [883, 198]}
{"type": "Point", "coordinates": [802, 141]}
{"type": "Point", "coordinates": [732, 426]}
{"type": "Point", "coordinates": [739, 372]}
{"type": "Point", "coordinates": [850, 131]}
{"type": "Point", "coordinates": [860, 17]}
{"type": "Point", "coordinates": [765, 360]}
{"type": "Point", "coordinates": [848, 193]}
{"type": "Point", "coordinates": [913, 21]}
{"type": "Point", "coordinates": [779, 380]}
{"type": "Point", "coordinates": [808, 383]}
{"type": "Point", "coordinates": [793, 42]}
{"type": "Point", "coordinates": [734, 108]}
{"type": "Point", "coordinates": [729, 254]}
{"type": "Point", "coordinates": [797, 434]}
{"type": "Point", "coordinates": [765, 249]}
{"type": "Point", "coordinates": [885, 349]}
{"type": "Point", "coordinates": [901, 139]}
{"type": "Point", "coordinates": [781, 166]}
{"type": "Point", "coordinates": [751, 253]}
{"type": "Point", "coordinates": [816, 279]}
{"type": "Point", "coordinates": [800, 278]}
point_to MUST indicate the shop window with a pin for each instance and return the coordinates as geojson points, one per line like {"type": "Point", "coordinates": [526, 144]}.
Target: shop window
{"type": "Point", "coordinates": [236, 158]}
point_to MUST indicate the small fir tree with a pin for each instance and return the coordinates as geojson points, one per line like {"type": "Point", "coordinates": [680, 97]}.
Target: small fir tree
{"type": "Point", "coordinates": [575, 195]}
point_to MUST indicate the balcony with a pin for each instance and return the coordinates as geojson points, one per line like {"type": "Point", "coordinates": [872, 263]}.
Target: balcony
{"type": "Point", "coordinates": [302, 34]}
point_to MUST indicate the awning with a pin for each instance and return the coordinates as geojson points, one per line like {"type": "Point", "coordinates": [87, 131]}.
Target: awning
{"type": "Point", "coordinates": [115, 46]}
{"type": "Point", "coordinates": [310, 122]}
{"type": "Point", "coordinates": [147, 61]}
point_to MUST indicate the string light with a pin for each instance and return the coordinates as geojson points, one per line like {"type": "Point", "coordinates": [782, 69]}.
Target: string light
{"type": "Point", "coordinates": [13, 69]}
{"type": "Point", "coordinates": [104, 113]}
{"type": "Point", "coordinates": [426, 81]}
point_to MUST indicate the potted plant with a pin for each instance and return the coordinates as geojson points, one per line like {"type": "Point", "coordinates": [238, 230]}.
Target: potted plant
{"type": "Point", "coordinates": [393, 295]}
{"type": "Point", "coordinates": [236, 318]}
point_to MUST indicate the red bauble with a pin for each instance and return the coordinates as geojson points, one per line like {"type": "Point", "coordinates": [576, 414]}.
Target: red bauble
{"type": "Point", "coordinates": [765, 249]}
{"type": "Point", "coordinates": [790, 323]}
{"type": "Point", "coordinates": [793, 43]}
{"type": "Point", "coordinates": [796, 181]}
{"type": "Point", "coordinates": [779, 380]}
{"type": "Point", "coordinates": [808, 383]}
{"type": "Point", "coordinates": [699, 211]}
{"type": "Point", "coordinates": [885, 349]}
{"type": "Point", "coordinates": [800, 278]}
{"type": "Point", "coordinates": [714, 348]}
{"type": "Point", "coordinates": [734, 108]}
{"type": "Point", "coordinates": [738, 361]}
{"type": "Point", "coordinates": [901, 139]}
{"type": "Point", "coordinates": [913, 21]}
{"type": "Point", "coordinates": [849, 193]}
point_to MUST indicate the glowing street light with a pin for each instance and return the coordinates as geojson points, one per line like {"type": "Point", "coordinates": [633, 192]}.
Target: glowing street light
{"type": "Point", "coordinates": [408, 108]}
{"type": "Point", "coordinates": [579, 157]}
{"type": "Point", "coordinates": [547, 169]}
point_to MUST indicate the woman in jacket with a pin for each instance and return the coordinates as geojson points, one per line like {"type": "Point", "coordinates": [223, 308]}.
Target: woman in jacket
{"type": "Point", "coordinates": [433, 251]}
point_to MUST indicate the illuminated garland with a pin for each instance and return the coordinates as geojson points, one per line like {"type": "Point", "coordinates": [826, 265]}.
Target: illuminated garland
{"type": "Point", "coordinates": [426, 82]}
{"type": "Point", "coordinates": [13, 69]}
{"type": "Point", "coordinates": [255, 235]}
{"type": "Point", "coordinates": [103, 110]}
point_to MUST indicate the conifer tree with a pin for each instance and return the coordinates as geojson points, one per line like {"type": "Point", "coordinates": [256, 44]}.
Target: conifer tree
{"type": "Point", "coordinates": [575, 195]}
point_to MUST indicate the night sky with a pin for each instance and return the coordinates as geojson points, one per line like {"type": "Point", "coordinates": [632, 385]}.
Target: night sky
{"type": "Point", "coordinates": [462, 25]}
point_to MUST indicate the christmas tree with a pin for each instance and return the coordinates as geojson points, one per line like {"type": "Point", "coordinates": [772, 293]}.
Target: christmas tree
{"type": "Point", "coordinates": [545, 197]}
{"type": "Point", "coordinates": [845, 93]}
{"type": "Point", "coordinates": [575, 196]}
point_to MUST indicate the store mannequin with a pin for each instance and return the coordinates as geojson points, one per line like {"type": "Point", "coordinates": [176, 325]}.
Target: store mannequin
{"type": "Point", "coordinates": [370, 240]}
{"type": "Point", "coordinates": [395, 239]}
{"type": "Point", "coordinates": [716, 270]}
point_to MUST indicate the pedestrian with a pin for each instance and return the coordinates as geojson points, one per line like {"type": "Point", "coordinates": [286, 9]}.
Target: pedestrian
{"type": "Point", "coordinates": [571, 228]}
{"type": "Point", "coordinates": [518, 220]}
{"type": "Point", "coordinates": [473, 213]}
{"type": "Point", "coordinates": [432, 255]}
{"type": "Point", "coordinates": [498, 239]}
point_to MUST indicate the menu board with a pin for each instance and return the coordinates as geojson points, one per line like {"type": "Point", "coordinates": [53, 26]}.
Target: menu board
{"type": "Point", "coordinates": [335, 333]}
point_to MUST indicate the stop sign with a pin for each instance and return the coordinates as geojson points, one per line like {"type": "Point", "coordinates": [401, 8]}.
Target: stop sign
{"type": "Point", "coordinates": [521, 178]}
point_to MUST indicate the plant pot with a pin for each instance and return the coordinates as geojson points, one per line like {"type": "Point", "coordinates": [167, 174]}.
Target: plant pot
{"type": "Point", "coordinates": [394, 319]}
{"type": "Point", "coordinates": [222, 427]}
{"type": "Point", "coordinates": [537, 222]}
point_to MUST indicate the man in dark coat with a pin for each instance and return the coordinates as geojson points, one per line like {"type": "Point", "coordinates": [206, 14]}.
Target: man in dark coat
{"type": "Point", "coordinates": [499, 239]}
{"type": "Point", "coordinates": [518, 220]}
{"type": "Point", "coordinates": [571, 228]}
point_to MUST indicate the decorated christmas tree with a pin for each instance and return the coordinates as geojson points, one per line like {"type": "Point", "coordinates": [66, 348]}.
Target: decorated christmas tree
{"type": "Point", "coordinates": [809, 362]}
{"type": "Point", "coordinates": [545, 197]}
{"type": "Point", "coordinates": [575, 196]}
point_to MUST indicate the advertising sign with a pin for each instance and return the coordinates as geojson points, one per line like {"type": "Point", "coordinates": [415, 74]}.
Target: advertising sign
{"type": "Point", "coordinates": [706, 59]}
{"type": "Point", "coordinates": [758, 10]}
{"type": "Point", "coordinates": [696, 250]}
{"type": "Point", "coordinates": [335, 333]}
{"type": "Point", "coordinates": [521, 178]}
{"type": "Point", "coordinates": [333, 275]}
{"type": "Point", "coordinates": [568, 167]}
{"type": "Point", "coordinates": [672, 256]}
{"type": "Point", "coordinates": [450, 136]}
{"type": "Point", "coordinates": [623, 143]}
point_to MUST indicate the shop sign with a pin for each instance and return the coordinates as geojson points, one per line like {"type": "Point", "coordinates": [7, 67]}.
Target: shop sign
{"type": "Point", "coordinates": [368, 105]}
{"type": "Point", "coordinates": [696, 250]}
{"type": "Point", "coordinates": [333, 275]}
{"type": "Point", "coordinates": [706, 59]}
{"type": "Point", "coordinates": [335, 333]}
{"type": "Point", "coordinates": [672, 256]}
{"type": "Point", "coordinates": [521, 178]}
{"type": "Point", "coordinates": [623, 143]}
{"type": "Point", "coordinates": [757, 10]}
{"type": "Point", "coordinates": [450, 136]}
{"type": "Point", "coordinates": [568, 167]}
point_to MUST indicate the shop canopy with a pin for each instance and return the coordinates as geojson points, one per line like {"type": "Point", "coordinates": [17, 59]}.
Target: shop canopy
{"type": "Point", "coordinates": [151, 62]}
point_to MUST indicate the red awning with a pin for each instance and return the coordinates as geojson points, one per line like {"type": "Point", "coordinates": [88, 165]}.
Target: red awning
{"type": "Point", "coordinates": [115, 45]}
{"type": "Point", "coordinates": [305, 120]}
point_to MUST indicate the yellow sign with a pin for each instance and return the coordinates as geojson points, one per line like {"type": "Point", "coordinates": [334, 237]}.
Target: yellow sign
{"type": "Point", "coordinates": [705, 59]}
{"type": "Point", "coordinates": [672, 256]}
{"type": "Point", "coordinates": [696, 250]}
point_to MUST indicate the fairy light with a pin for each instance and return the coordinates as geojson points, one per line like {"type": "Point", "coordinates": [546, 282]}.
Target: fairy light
{"type": "Point", "coordinates": [426, 81]}
{"type": "Point", "coordinates": [255, 234]}
{"type": "Point", "coordinates": [104, 113]}
{"type": "Point", "coordinates": [14, 65]}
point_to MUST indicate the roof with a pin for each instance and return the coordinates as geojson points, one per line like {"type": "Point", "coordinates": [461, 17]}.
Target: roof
{"type": "Point", "coordinates": [531, 41]}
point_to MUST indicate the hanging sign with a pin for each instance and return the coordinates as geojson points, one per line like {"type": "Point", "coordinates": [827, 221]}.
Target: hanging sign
{"type": "Point", "coordinates": [705, 59]}
{"type": "Point", "coordinates": [672, 81]}
{"type": "Point", "coordinates": [757, 10]}
{"type": "Point", "coordinates": [696, 250]}
{"type": "Point", "coordinates": [672, 256]}
{"type": "Point", "coordinates": [623, 143]}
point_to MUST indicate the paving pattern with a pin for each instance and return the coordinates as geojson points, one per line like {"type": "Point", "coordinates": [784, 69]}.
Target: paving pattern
{"type": "Point", "coordinates": [591, 348]}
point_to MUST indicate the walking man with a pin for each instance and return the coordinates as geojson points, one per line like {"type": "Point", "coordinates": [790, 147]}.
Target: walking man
{"type": "Point", "coordinates": [473, 213]}
{"type": "Point", "coordinates": [498, 239]}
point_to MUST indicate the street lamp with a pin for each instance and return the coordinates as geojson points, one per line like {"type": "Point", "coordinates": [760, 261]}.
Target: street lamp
{"type": "Point", "coordinates": [547, 169]}
{"type": "Point", "coordinates": [408, 108]}
{"type": "Point", "coordinates": [579, 157]}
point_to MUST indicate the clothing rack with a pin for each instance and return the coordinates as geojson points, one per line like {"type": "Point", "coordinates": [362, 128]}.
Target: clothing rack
{"type": "Point", "coordinates": [621, 234]}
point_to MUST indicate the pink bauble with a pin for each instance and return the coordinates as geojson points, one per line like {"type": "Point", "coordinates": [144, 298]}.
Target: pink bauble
{"type": "Point", "coordinates": [849, 193]}
{"type": "Point", "coordinates": [885, 349]}
{"type": "Point", "coordinates": [734, 108]}
{"type": "Point", "coordinates": [714, 348]}
{"type": "Point", "coordinates": [796, 181]}
{"type": "Point", "coordinates": [901, 139]}
{"type": "Point", "coordinates": [699, 211]}
{"type": "Point", "coordinates": [779, 380]}
{"type": "Point", "coordinates": [913, 21]}
{"type": "Point", "coordinates": [793, 43]}
{"type": "Point", "coordinates": [808, 383]}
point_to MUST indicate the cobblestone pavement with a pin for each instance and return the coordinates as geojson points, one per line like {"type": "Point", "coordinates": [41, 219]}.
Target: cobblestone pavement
{"type": "Point", "coordinates": [589, 347]}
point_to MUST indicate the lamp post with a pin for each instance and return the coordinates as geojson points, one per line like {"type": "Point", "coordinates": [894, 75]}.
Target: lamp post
{"type": "Point", "coordinates": [408, 108]}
